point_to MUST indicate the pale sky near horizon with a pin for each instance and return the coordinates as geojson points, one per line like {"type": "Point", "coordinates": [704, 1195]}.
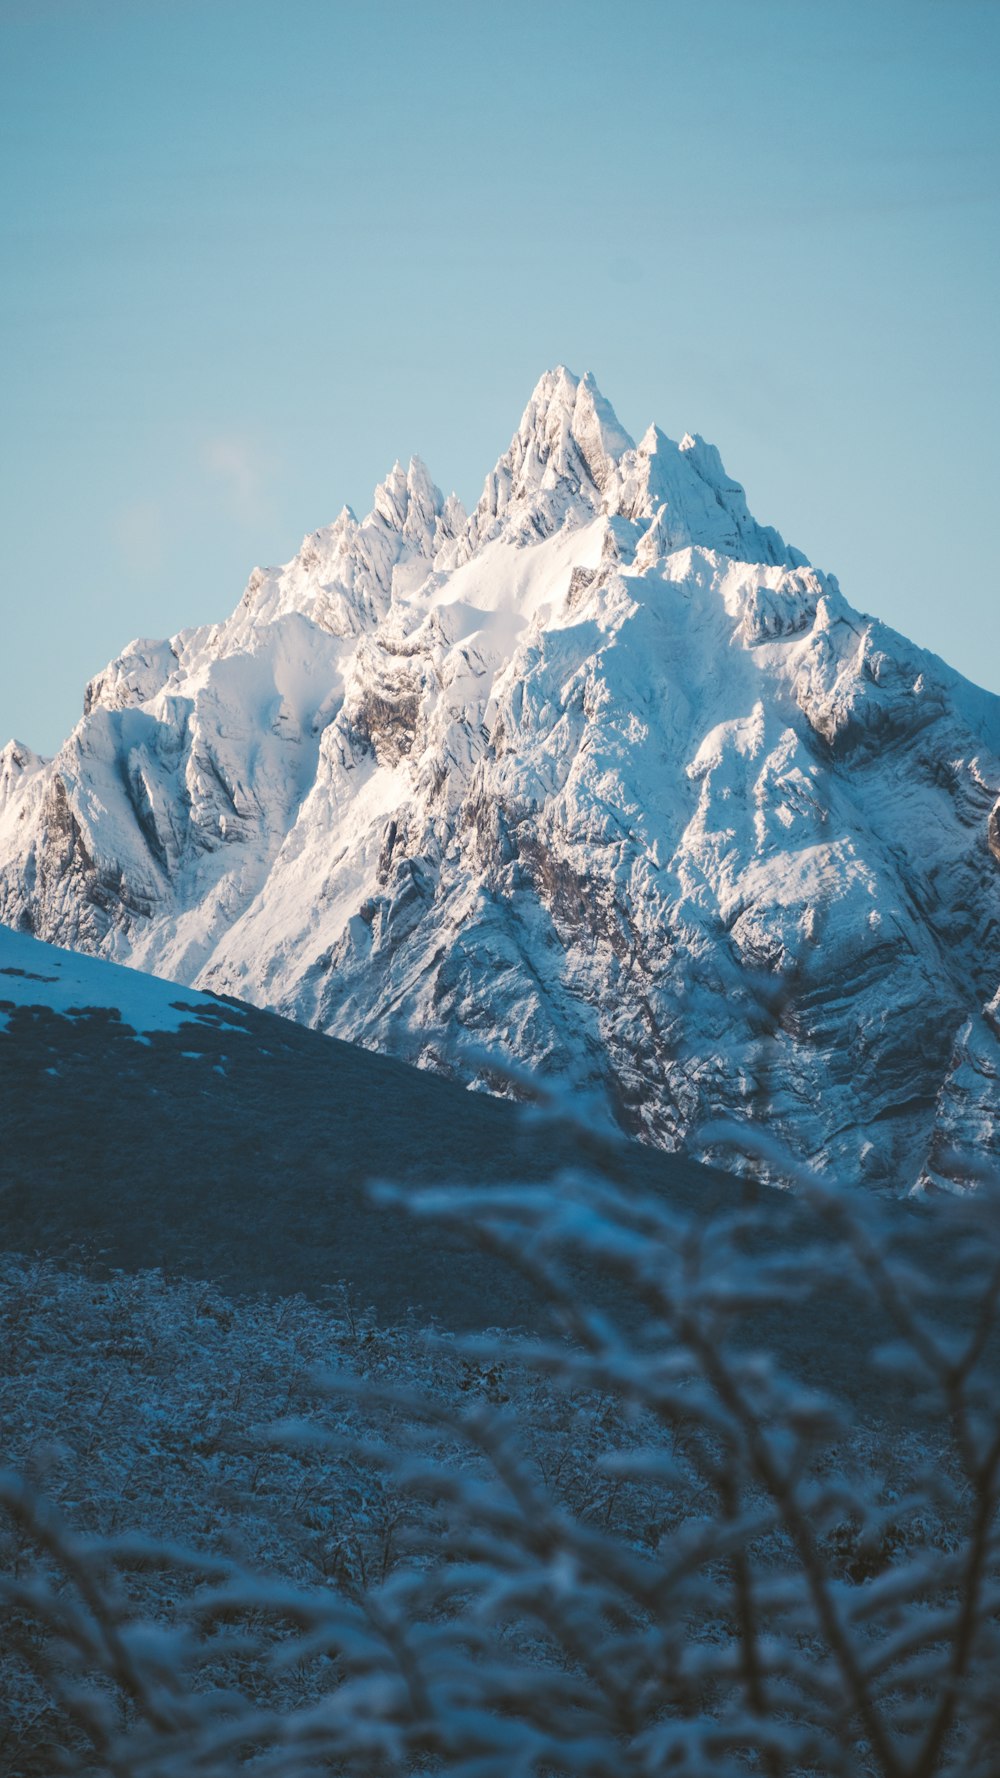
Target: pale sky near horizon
{"type": "Point", "coordinates": [255, 251]}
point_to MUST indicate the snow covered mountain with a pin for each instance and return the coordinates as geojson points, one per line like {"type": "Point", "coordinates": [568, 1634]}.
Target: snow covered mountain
{"type": "Point", "coordinates": [605, 777]}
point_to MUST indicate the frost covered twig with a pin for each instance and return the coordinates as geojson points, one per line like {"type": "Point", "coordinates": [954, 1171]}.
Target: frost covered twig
{"type": "Point", "coordinates": [645, 1541]}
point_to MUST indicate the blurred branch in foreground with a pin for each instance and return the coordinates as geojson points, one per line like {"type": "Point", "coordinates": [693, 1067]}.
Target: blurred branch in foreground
{"type": "Point", "coordinates": [641, 1542]}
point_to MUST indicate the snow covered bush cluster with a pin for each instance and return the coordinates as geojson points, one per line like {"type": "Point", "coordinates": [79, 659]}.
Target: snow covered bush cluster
{"type": "Point", "coordinates": [275, 1538]}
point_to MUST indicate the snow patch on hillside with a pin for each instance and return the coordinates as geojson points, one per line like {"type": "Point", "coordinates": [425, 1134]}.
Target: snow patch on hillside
{"type": "Point", "coordinates": [67, 982]}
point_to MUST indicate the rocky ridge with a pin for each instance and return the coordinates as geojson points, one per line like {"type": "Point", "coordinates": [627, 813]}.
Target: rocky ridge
{"type": "Point", "coordinates": [605, 778]}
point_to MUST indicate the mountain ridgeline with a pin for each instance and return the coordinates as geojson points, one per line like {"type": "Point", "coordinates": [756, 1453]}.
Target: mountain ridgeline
{"type": "Point", "coordinates": [604, 779]}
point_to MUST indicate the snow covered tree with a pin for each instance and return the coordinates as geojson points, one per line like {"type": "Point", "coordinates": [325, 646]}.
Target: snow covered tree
{"type": "Point", "coordinates": [683, 1529]}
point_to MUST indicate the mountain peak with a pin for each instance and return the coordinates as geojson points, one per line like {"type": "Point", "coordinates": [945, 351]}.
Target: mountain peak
{"type": "Point", "coordinates": [563, 408]}
{"type": "Point", "coordinates": [17, 763]}
{"type": "Point", "coordinates": [571, 459]}
{"type": "Point", "coordinates": [409, 502]}
{"type": "Point", "coordinates": [565, 450]}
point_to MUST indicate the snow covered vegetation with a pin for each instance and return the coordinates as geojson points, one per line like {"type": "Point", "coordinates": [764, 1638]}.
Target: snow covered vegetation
{"type": "Point", "coordinates": [604, 777]}
{"type": "Point", "coordinates": [269, 1537]}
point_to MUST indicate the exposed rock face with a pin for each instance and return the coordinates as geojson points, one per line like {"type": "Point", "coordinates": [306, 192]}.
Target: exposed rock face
{"type": "Point", "coordinates": [993, 831]}
{"type": "Point", "coordinates": [605, 777]}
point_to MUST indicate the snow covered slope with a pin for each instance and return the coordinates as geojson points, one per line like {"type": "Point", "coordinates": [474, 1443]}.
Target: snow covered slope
{"type": "Point", "coordinates": [606, 777]}
{"type": "Point", "coordinates": [75, 987]}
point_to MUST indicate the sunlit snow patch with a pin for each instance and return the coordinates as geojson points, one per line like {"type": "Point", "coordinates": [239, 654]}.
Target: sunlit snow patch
{"type": "Point", "coordinates": [36, 974]}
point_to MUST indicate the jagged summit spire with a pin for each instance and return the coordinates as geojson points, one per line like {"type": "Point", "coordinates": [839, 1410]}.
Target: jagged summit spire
{"type": "Point", "coordinates": [565, 408]}
{"type": "Point", "coordinates": [571, 458]}
{"type": "Point", "coordinates": [565, 450]}
{"type": "Point", "coordinates": [401, 489]}
{"type": "Point", "coordinates": [410, 504]}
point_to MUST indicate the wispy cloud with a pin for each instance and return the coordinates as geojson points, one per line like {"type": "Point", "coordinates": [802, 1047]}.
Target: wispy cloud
{"type": "Point", "coordinates": [242, 469]}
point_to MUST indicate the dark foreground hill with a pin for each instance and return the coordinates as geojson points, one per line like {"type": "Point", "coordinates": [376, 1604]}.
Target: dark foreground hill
{"type": "Point", "coordinates": [149, 1126]}
{"type": "Point", "coordinates": [144, 1126]}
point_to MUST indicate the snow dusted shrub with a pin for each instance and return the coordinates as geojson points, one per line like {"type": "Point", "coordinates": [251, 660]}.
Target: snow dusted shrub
{"type": "Point", "coordinates": [642, 1543]}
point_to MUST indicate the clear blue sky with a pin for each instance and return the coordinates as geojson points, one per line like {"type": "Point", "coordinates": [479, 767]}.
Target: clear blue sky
{"type": "Point", "coordinates": [254, 251]}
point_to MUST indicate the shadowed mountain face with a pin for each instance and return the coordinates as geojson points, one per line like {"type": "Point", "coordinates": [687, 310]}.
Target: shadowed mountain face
{"type": "Point", "coordinates": [605, 777]}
